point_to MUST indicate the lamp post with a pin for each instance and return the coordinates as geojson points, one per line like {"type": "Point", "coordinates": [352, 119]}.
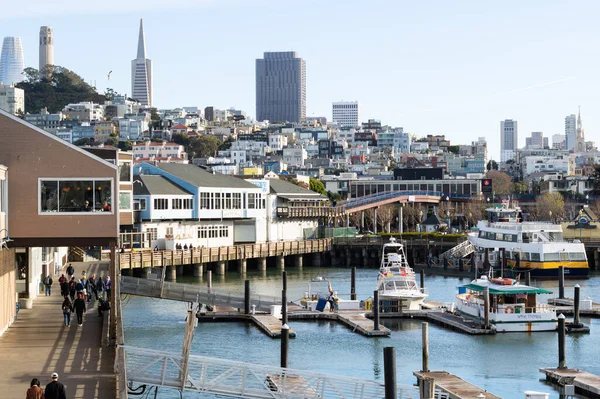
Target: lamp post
{"type": "Point", "coordinates": [550, 215]}
{"type": "Point", "coordinates": [587, 199]}
{"type": "Point", "coordinates": [469, 221]}
{"type": "Point", "coordinates": [448, 212]}
{"type": "Point", "coordinates": [579, 222]}
{"type": "Point", "coordinates": [421, 224]}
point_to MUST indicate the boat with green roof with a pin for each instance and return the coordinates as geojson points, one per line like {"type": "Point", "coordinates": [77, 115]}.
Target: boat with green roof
{"type": "Point", "coordinates": [513, 307]}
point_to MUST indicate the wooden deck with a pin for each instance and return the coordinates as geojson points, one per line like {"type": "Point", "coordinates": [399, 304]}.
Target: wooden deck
{"type": "Point", "coordinates": [585, 383]}
{"type": "Point", "coordinates": [270, 325]}
{"type": "Point", "coordinates": [565, 306]}
{"type": "Point", "coordinates": [458, 323]}
{"type": "Point", "coordinates": [149, 258]}
{"type": "Point", "coordinates": [357, 321]}
{"type": "Point", "coordinates": [294, 385]}
{"type": "Point", "coordinates": [454, 386]}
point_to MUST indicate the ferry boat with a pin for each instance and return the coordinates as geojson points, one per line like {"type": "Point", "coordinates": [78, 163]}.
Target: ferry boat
{"type": "Point", "coordinates": [534, 247]}
{"type": "Point", "coordinates": [396, 280]}
{"type": "Point", "coordinates": [513, 307]}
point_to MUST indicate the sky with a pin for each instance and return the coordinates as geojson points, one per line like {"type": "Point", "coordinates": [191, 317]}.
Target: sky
{"type": "Point", "coordinates": [433, 67]}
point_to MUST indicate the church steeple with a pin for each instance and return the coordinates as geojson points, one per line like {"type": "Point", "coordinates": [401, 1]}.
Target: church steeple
{"type": "Point", "coordinates": [579, 137]}
{"type": "Point", "coordinates": [579, 125]}
{"type": "Point", "coordinates": [141, 51]}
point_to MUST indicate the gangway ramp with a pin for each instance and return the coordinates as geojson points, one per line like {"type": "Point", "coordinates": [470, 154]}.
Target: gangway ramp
{"type": "Point", "coordinates": [245, 380]}
{"type": "Point", "coordinates": [194, 293]}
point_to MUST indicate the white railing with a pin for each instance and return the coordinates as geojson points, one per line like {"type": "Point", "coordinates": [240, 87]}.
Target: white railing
{"type": "Point", "coordinates": [194, 293]}
{"type": "Point", "coordinates": [244, 380]}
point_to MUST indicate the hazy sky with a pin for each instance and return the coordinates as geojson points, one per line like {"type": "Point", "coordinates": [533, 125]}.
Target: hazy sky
{"type": "Point", "coordinates": [433, 67]}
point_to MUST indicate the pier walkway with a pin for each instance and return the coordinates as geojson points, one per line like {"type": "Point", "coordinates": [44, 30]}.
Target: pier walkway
{"type": "Point", "coordinates": [454, 386]}
{"type": "Point", "coordinates": [566, 306]}
{"type": "Point", "coordinates": [38, 344]}
{"type": "Point", "coordinates": [243, 380]}
{"type": "Point", "coordinates": [585, 383]}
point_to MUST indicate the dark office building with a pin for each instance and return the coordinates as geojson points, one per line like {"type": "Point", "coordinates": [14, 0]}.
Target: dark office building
{"type": "Point", "coordinates": [280, 87]}
{"type": "Point", "coordinates": [209, 113]}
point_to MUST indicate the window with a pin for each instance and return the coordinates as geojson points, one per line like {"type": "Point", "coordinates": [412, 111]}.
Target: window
{"type": "Point", "coordinates": [125, 201]}
{"type": "Point", "coordinates": [227, 201]}
{"type": "Point", "coordinates": [237, 201]}
{"type": "Point", "coordinates": [202, 232]}
{"type": "Point", "coordinates": [125, 171]}
{"type": "Point", "coordinates": [187, 204]}
{"type": "Point", "coordinates": [251, 201]}
{"type": "Point", "coordinates": [218, 201]}
{"type": "Point", "coordinates": [177, 203]}
{"type": "Point", "coordinates": [169, 232]}
{"type": "Point", "coordinates": [139, 204]}
{"type": "Point", "coordinates": [72, 195]}
{"type": "Point", "coordinates": [153, 232]}
{"type": "Point", "coordinates": [205, 201]}
{"type": "Point", "coordinates": [161, 203]}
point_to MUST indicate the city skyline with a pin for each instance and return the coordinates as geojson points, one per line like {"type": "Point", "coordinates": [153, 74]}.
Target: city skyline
{"type": "Point", "coordinates": [428, 72]}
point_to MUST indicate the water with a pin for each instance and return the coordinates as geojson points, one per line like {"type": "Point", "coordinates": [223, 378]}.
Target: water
{"type": "Point", "coordinates": [505, 364]}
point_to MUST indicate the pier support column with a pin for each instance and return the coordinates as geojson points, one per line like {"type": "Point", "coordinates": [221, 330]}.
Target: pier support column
{"type": "Point", "coordinates": [389, 372]}
{"type": "Point", "coordinates": [146, 272]}
{"type": "Point", "coordinates": [242, 266]}
{"type": "Point", "coordinates": [348, 257]}
{"type": "Point", "coordinates": [262, 264]}
{"type": "Point", "coordinates": [576, 306]}
{"type": "Point", "coordinates": [180, 270]}
{"type": "Point", "coordinates": [562, 357]}
{"type": "Point", "coordinates": [597, 259]}
{"type": "Point", "coordinates": [561, 282]}
{"type": "Point", "coordinates": [197, 269]}
{"type": "Point", "coordinates": [280, 262]}
{"type": "Point", "coordinates": [156, 270]}
{"type": "Point", "coordinates": [171, 273]}
{"type": "Point", "coordinates": [299, 261]}
{"type": "Point", "coordinates": [220, 269]}
{"type": "Point", "coordinates": [316, 260]}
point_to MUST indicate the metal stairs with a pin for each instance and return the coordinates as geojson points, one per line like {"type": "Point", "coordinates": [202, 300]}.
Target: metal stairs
{"type": "Point", "coordinates": [461, 250]}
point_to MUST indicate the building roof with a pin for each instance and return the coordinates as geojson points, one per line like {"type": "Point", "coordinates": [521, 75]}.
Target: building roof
{"type": "Point", "coordinates": [155, 185]}
{"type": "Point", "coordinates": [180, 126]}
{"type": "Point", "coordinates": [199, 177]}
{"type": "Point", "coordinates": [285, 188]}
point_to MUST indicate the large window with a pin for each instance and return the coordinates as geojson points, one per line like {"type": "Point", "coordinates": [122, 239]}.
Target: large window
{"type": "Point", "coordinates": [179, 203]}
{"type": "Point", "coordinates": [139, 204]}
{"type": "Point", "coordinates": [153, 232]}
{"type": "Point", "coordinates": [251, 201]}
{"type": "Point", "coordinates": [73, 195]}
{"type": "Point", "coordinates": [204, 201]}
{"type": "Point", "coordinates": [125, 171]}
{"type": "Point", "coordinates": [125, 201]}
{"type": "Point", "coordinates": [237, 201]}
{"type": "Point", "coordinates": [161, 203]}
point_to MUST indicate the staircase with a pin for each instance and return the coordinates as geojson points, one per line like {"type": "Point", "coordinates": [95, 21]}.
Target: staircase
{"type": "Point", "coordinates": [460, 251]}
{"type": "Point", "coordinates": [76, 254]}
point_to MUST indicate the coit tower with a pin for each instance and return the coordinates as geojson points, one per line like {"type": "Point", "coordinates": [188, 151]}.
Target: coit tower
{"type": "Point", "coordinates": [46, 47]}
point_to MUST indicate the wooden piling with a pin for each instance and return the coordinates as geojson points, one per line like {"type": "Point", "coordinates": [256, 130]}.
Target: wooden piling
{"type": "Point", "coordinates": [285, 342]}
{"type": "Point", "coordinates": [486, 305]}
{"type": "Point", "coordinates": [425, 345]}
{"type": "Point", "coordinates": [247, 297]}
{"type": "Point", "coordinates": [562, 358]}
{"type": "Point", "coordinates": [284, 315]}
{"type": "Point", "coordinates": [561, 282]}
{"type": "Point", "coordinates": [576, 300]}
{"type": "Point", "coordinates": [353, 284]}
{"type": "Point", "coordinates": [528, 278]}
{"type": "Point", "coordinates": [209, 280]}
{"type": "Point", "coordinates": [422, 278]}
{"type": "Point", "coordinates": [427, 388]}
{"type": "Point", "coordinates": [389, 372]}
{"type": "Point", "coordinates": [376, 310]}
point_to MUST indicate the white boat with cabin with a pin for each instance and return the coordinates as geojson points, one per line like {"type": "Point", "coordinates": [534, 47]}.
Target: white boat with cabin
{"type": "Point", "coordinates": [396, 280]}
{"type": "Point", "coordinates": [512, 307]}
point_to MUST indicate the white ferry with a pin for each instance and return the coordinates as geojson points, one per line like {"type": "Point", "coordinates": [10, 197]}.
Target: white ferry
{"type": "Point", "coordinates": [535, 247]}
{"type": "Point", "coordinates": [396, 280]}
{"type": "Point", "coordinates": [513, 307]}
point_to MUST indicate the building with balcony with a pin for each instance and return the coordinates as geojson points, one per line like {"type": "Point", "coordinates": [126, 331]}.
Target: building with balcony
{"type": "Point", "coordinates": [45, 120]}
{"type": "Point", "coordinates": [12, 99]}
{"type": "Point", "coordinates": [84, 112]}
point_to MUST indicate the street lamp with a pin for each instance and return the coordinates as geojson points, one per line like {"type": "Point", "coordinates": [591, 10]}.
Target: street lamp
{"type": "Point", "coordinates": [587, 199]}
{"type": "Point", "coordinates": [550, 215]}
{"type": "Point", "coordinates": [470, 219]}
{"type": "Point", "coordinates": [448, 212]}
{"type": "Point", "coordinates": [421, 224]}
{"type": "Point", "coordinates": [579, 222]}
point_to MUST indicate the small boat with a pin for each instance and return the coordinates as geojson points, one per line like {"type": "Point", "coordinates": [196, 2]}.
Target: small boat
{"type": "Point", "coordinates": [319, 300]}
{"type": "Point", "coordinates": [512, 307]}
{"type": "Point", "coordinates": [396, 280]}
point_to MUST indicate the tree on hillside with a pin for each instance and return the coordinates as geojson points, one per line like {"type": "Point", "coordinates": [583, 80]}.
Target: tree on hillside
{"type": "Point", "coordinates": [204, 146]}
{"type": "Point", "coordinates": [317, 186]}
{"type": "Point", "coordinates": [501, 182]}
{"type": "Point", "coordinates": [56, 89]}
{"type": "Point", "coordinates": [492, 165]}
{"type": "Point", "coordinates": [546, 203]}
{"type": "Point", "coordinates": [521, 187]}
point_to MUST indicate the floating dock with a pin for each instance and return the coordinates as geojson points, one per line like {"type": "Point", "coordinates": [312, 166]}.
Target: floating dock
{"type": "Point", "coordinates": [586, 384]}
{"type": "Point", "coordinates": [566, 307]}
{"type": "Point", "coordinates": [356, 321]}
{"type": "Point", "coordinates": [454, 386]}
{"type": "Point", "coordinates": [267, 323]}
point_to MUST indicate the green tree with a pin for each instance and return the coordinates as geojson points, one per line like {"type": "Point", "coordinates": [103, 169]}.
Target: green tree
{"type": "Point", "coordinates": [492, 165]}
{"type": "Point", "coordinates": [125, 145]}
{"type": "Point", "coordinates": [82, 142]}
{"type": "Point", "coordinates": [549, 206]}
{"type": "Point", "coordinates": [596, 187]}
{"type": "Point", "coordinates": [521, 187]}
{"type": "Point", "coordinates": [204, 146]}
{"type": "Point", "coordinates": [501, 182]}
{"type": "Point", "coordinates": [181, 139]}
{"type": "Point", "coordinates": [317, 186]}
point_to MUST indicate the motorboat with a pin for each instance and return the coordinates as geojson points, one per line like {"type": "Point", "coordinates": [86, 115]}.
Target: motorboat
{"type": "Point", "coordinates": [513, 307]}
{"type": "Point", "coordinates": [396, 280]}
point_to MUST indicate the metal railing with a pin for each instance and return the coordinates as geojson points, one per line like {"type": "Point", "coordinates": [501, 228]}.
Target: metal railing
{"type": "Point", "coordinates": [460, 251]}
{"type": "Point", "coordinates": [244, 380]}
{"type": "Point", "coordinates": [194, 293]}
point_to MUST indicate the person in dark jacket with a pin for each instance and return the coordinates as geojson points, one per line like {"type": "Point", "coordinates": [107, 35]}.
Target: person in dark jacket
{"type": "Point", "coordinates": [92, 281]}
{"type": "Point", "coordinates": [89, 289]}
{"type": "Point", "coordinates": [79, 306]}
{"type": "Point", "coordinates": [64, 288]}
{"type": "Point", "coordinates": [70, 271]}
{"type": "Point", "coordinates": [55, 389]}
{"type": "Point", "coordinates": [100, 287]}
{"type": "Point", "coordinates": [72, 288]}
{"type": "Point", "coordinates": [34, 391]}
{"type": "Point", "coordinates": [67, 308]}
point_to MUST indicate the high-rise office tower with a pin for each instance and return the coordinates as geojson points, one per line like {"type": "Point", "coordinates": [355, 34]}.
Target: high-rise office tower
{"type": "Point", "coordinates": [141, 73]}
{"type": "Point", "coordinates": [509, 139]}
{"type": "Point", "coordinates": [570, 131]}
{"type": "Point", "coordinates": [280, 87]}
{"type": "Point", "coordinates": [11, 61]}
{"type": "Point", "coordinates": [46, 47]}
{"type": "Point", "coordinates": [345, 113]}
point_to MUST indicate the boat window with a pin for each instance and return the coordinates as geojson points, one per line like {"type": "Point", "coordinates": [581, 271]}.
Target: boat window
{"type": "Point", "coordinates": [526, 237]}
{"type": "Point", "coordinates": [508, 237]}
{"type": "Point", "coordinates": [535, 256]}
{"type": "Point", "coordinates": [564, 256]}
{"type": "Point", "coordinates": [525, 256]}
{"type": "Point", "coordinates": [499, 236]}
{"type": "Point", "coordinates": [551, 257]}
{"type": "Point", "coordinates": [481, 234]}
{"type": "Point", "coordinates": [577, 256]}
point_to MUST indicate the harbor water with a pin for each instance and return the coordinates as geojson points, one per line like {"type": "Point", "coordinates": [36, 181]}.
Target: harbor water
{"type": "Point", "coordinates": [504, 364]}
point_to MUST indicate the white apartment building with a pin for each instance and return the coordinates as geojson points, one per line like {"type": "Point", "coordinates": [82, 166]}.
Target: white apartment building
{"type": "Point", "coordinates": [570, 131]}
{"type": "Point", "coordinates": [509, 139]}
{"type": "Point", "coordinates": [132, 128]}
{"type": "Point", "coordinates": [559, 142]}
{"type": "Point", "coordinates": [84, 111]}
{"type": "Point", "coordinates": [564, 164]}
{"type": "Point", "coordinates": [277, 142]}
{"type": "Point", "coordinates": [12, 99]}
{"type": "Point", "coordinates": [295, 156]}
{"type": "Point", "coordinates": [148, 149]}
{"type": "Point", "coordinates": [345, 113]}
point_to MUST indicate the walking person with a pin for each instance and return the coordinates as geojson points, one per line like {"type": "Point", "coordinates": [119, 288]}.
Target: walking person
{"type": "Point", "coordinates": [34, 391]}
{"type": "Point", "coordinates": [89, 289]}
{"type": "Point", "coordinates": [61, 279]}
{"type": "Point", "coordinates": [72, 288]}
{"type": "Point", "coordinates": [55, 389]}
{"type": "Point", "coordinates": [100, 287]}
{"type": "Point", "coordinates": [79, 306]}
{"type": "Point", "coordinates": [48, 283]}
{"type": "Point", "coordinates": [108, 286]}
{"type": "Point", "coordinates": [64, 288]}
{"type": "Point", "coordinates": [70, 271]}
{"type": "Point", "coordinates": [92, 284]}
{"type": "Point", "coordinates": [67, 308]}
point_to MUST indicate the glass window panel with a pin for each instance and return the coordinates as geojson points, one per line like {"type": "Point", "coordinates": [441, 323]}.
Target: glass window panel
{"type": "Point", "coordinates": [74, 197]}
{"type": "Point", "coordinates": [49, 196]}
{"type": "Point", "coordinates": [102, 196]}
{"type": "Point", "coordinates": [125, 171]}
{"type": "Point", "coordinates": [124, 201]}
